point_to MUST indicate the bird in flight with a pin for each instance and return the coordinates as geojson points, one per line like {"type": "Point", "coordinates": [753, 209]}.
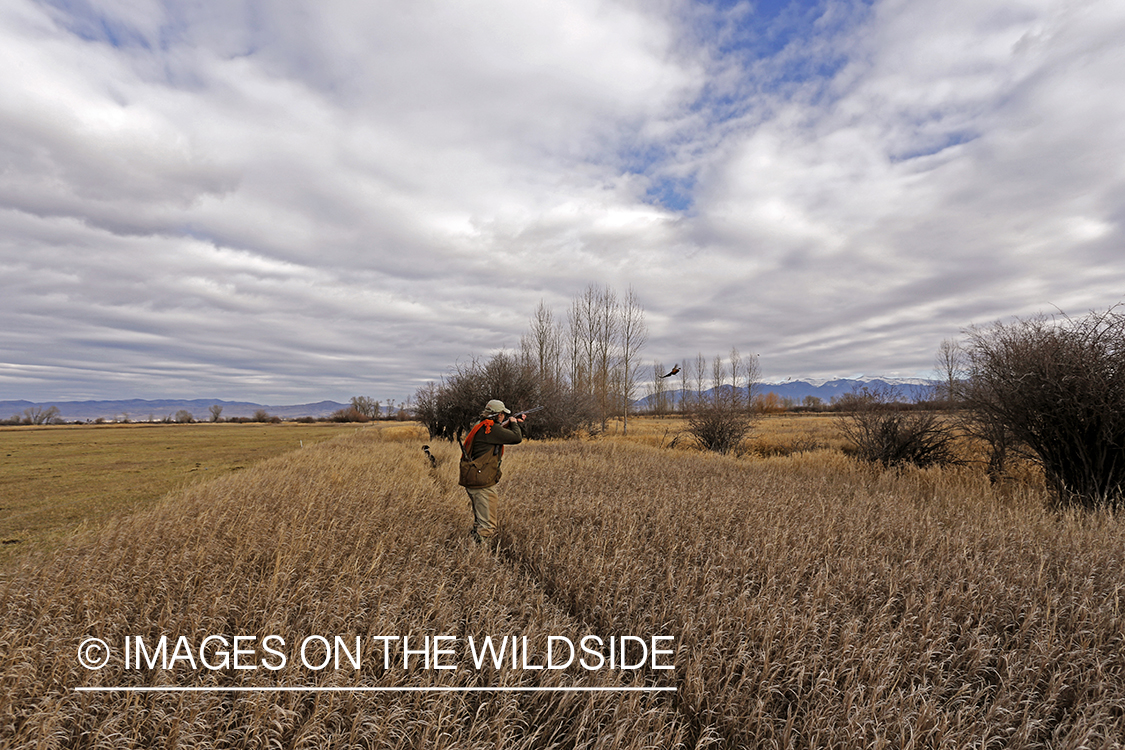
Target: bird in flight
{"type": "Point", "coordinates": [675, 369]}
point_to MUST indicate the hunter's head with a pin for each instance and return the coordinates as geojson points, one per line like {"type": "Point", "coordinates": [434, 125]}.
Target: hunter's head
{"type": "Point", "coordinates": [495, 408]}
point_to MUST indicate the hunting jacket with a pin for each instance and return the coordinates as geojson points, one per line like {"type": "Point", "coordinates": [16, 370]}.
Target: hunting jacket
{"type": "Point", "coordinates": [491, 435]}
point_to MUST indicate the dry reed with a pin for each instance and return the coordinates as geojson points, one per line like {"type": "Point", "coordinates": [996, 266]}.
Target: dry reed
{"type": "Point", "coordinates": [815, 603]}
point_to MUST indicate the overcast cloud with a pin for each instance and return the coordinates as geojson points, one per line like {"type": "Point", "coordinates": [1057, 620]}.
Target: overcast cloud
{"type": "Point", "coordinates": [246, 201]}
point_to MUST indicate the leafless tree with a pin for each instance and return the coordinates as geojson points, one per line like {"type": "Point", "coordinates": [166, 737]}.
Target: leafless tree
{"type": "Point", "coordinates": [735, 372]}
{"type": "Point", "coordinates": [366, 406]}
{"type": "Point", "coordinates": [951, 363]}
{"type": "Point", "coordinates": [580, 351]}
{"type": "Point", "coordinates": [41, 415]}
{"type": "Point", "coordinates": [752, 375]}
{"type": "Point", "coordinates": [606, 326]}
{"type": "Point", "coordinates": [718, 380]}
{"type": "Point", "coordinates": [542, 345]}
{"type": "Point", "coordinates": [216, 412]}
{"type": "Point", "coordinates": [632, 334]}
{"type": "Point", "coordinates": [659, 389]}
{"type": "Point", "coordinates": [700, 377]}
{"type": "Point", "coordinates": [682, 407]}
{"type": "Point", "coordinates": [594, 330]}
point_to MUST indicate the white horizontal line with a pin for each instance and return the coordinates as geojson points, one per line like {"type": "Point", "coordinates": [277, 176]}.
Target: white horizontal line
{"type": "Point", "coordinates": [299, 689]}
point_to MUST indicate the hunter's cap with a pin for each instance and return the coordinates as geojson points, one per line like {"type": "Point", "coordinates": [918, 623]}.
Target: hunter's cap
{"type": "Point", "coordinates": [495, 406]}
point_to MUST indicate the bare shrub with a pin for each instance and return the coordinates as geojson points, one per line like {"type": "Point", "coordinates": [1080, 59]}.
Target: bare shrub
{"type": "Point", "coordinates": [720, 427]}
{"type": "Point", "coordinates": [993, 439]}
{"type": "Point", "coordinates": [449, 408]}
{"type": "Point", "coordinates": [1057, 386]}
{"type": "Point", "coordinates": [890, 432]}
{"type": "Point", "coordinates": [721, 418]}
{"type": "Point", "coordinates": [349, 414]}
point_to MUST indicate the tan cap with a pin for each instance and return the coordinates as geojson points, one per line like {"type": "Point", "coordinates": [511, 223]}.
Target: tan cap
{"type": "Point", "coordinates": [495, 406]}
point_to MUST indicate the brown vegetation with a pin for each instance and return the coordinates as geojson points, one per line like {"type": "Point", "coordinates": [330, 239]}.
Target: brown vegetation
{"type": "Point", "coordinates": [815, 602]}
{"type": "Point", "coordinates": [1055, 388]}
{"type": "Point", "coordinates": [890, 432]}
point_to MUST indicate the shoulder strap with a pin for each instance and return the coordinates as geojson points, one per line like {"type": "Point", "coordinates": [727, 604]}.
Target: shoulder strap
{"type": "Point", "coordinates": [466, 447]}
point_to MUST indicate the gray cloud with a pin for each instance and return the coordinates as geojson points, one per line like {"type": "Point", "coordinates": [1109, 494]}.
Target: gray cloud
{"type": "Point", "coordinates": [243, 200]}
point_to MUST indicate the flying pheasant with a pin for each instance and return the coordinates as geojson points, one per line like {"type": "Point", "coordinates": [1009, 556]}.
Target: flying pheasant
{"type": "Point", "coordinates": [675, 369]}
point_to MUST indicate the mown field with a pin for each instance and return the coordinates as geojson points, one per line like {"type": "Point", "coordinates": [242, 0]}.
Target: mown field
{"type": "Point", "coordinates": [57, 478]}
{"type": "Point", "coordinates": [814, 602]}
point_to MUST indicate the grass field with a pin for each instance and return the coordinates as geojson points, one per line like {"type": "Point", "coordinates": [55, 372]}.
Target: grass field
{"type": "Point", "coordinates": [814, 602]}
{"type": "Point", "coordinates": [55, 479]}
{"type": "Point", "coordinates": [771, 435]}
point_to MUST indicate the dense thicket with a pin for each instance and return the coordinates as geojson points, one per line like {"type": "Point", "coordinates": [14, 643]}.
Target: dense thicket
{"type": "Point", "coordinates": [1057, 386]}
{"type": "Point", "coordinates": [448, 409]}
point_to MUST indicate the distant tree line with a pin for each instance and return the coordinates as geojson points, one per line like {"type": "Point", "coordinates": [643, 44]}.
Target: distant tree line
{"type": "Point", "coordinates": [361, 409]}
{"type": "Point", "coordinates": [366, 409]}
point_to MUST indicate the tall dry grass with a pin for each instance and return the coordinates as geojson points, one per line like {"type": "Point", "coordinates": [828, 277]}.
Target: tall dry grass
{"type": "Point", "coordinates": [353, 537]}
{"type": "Point", "coordinates": [815, 603]}
{"type": "Point", "coordinates": [819, 603]}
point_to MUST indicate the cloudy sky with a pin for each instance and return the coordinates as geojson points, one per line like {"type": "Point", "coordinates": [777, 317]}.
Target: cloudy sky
{"type": "Point", "coordinates": [286, 202]}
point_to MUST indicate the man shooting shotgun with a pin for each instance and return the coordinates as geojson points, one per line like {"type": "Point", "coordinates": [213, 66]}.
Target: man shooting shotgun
{"type": "Point", "coordinates": [480, 463]}
{"type": "Point", "coordinates": [520, 415]}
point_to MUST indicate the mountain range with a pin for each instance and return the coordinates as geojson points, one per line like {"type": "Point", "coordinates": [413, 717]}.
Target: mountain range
{"type": "Point", "coordinates": [909, 389]}
{"type": "Point", "coordinates": [145, 410]}
{"type": "Point", "coordinates": [906, 389]}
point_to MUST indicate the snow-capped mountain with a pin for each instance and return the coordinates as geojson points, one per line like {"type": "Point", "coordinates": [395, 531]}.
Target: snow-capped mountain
{"type": "Point", "coordinates": [908, 389]}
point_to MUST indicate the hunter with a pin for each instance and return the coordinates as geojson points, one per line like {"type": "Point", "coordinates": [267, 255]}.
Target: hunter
{"type": "Point", "coordinates": [480, 464]}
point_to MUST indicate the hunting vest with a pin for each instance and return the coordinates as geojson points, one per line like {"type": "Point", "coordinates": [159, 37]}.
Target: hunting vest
{"type": "Point", "coordinates": [484, 471]}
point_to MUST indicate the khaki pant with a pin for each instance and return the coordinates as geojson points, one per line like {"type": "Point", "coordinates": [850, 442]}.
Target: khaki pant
{"type": "Point", "coordinates": [484, 502]}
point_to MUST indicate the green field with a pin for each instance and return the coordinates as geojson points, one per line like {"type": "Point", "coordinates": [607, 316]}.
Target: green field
{"type": "Point", "coordinates": [54, 480]}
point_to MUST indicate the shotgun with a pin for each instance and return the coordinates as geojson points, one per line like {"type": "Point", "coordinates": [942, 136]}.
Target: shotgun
{"type": "Point", "coordinates": [523, 413]}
